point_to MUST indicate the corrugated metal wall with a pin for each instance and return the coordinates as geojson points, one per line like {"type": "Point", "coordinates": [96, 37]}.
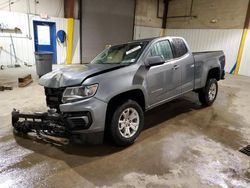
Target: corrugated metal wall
{"type": "Point", "coordinates": [24, 45]}
{"type": "Point", "coordinates": [227, 40]}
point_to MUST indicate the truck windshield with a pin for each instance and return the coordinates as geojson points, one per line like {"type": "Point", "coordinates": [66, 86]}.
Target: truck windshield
{"type": "Point", "coordinates": [120, 54]}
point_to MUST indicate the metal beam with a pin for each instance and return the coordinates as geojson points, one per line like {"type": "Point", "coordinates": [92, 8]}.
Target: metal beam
{"type": "Point", "coordinates": [80, 4]}
{"type": "Point", "coordinates": [70, 31]}
{"type": "Point", "coordinates": [243, 40]}
{"type": "Point", "coordinates": [69, 13]}
{"type": "Point", "coordinates": [164, 19]}
{"type": "Point", "coordinates": [69, 8]}
{"type": "Point", "coordinates": [165, 14]}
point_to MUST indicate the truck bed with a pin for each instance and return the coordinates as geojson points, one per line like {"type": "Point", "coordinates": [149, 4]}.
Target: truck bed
{"type": "Point", "coordinates": [206, 60]}
{"type": "Point", "coordinates": [209, 53]}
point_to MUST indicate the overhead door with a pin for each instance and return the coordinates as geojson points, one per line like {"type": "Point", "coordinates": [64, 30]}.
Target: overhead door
{"type": "Point", "coordinates": [105, 22]}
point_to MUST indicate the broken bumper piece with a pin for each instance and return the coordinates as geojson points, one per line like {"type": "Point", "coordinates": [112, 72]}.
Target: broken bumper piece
{"type": "Point", "coordinates": [70, 125]}
{"type": "Point", "coordinates": [48, 121]}
{"type": "Point", "coordinates": [51, 121]}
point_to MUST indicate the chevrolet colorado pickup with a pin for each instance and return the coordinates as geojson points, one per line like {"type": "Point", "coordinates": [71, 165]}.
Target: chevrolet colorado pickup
{"type": "Point", "coordinates": [111, 93]}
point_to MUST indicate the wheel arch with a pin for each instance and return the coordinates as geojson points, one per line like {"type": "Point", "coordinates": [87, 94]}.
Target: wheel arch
{"type": "Point", "coordinates": [136, 95]}
{"type": "Point", "coordinates": [214, 73]}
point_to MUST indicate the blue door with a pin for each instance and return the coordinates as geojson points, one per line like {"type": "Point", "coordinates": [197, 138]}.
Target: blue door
{"type": "Point", "coordinates": [45, 37]}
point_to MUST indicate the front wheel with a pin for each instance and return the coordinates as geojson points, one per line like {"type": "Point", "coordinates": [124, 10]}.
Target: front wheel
{"type": "Point", "coordinates": [208, 94]}
{"type": "Point", "coordinates": [127, 123]}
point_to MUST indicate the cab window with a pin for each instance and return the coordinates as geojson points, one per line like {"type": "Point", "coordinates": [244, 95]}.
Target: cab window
{"type": "Point", "coordinates": [180, 48]}
{"type": "Point", "coordinates": [163, 49]}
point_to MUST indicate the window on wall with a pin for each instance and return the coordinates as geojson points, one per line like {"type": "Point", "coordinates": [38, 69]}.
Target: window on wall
{"type": "Point", "coordinates": [43, 34]}
{"type": "Point", "coordinates": [163, 49]}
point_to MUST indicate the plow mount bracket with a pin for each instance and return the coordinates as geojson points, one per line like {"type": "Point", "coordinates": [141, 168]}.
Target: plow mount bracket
{"type": "Point", "coordinates": [49, 122]}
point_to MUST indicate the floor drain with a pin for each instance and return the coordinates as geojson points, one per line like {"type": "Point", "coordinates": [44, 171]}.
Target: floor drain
{"type": "Point", "coordinates": [246, 150]}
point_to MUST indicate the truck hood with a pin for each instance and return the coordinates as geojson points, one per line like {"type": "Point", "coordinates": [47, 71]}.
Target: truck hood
{"type": "Point", "coordinates": [72, 75]}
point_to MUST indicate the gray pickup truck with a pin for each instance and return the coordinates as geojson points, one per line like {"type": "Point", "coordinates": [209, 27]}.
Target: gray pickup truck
{"type": "Point", "coordinates": [111, 94]}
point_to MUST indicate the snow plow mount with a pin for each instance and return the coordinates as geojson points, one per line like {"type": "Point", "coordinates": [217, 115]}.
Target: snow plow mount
{"type": "Point", "coordinates": [47, 122]}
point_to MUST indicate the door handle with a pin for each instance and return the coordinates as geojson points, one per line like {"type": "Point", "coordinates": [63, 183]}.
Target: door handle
{"type": "Point", "coordinates": [176, 67]}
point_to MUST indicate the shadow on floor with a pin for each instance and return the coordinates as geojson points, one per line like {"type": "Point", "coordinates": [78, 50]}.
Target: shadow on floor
{"type": "Point", "coordinates": [152, 118]}
{"type": "Point", "coordinates": [94, 162]}
{"type": "Point", "coordinates": [170, 110]}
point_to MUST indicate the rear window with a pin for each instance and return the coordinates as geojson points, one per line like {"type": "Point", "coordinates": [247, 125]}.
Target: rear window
{"type": "Point", "coordinates": [180, 48]}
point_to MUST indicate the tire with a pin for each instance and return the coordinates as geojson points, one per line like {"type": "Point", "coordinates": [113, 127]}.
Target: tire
{"type": "Point", "coordinates": [208, 94]}
{"type": "Point", "coordinates": [131, 117]}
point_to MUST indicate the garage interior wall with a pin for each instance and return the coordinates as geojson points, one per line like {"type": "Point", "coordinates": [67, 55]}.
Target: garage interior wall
{"type": "Point", "coordinates": [105, 22]}
{"type": "Point", "coordinates": [207, 25]}
{"type": "Point", "coordinates": [53, 8]}
{"type": "Point", "coordinates": [245, 62]}
{"type": "Point", "coordinates": [19, 16]}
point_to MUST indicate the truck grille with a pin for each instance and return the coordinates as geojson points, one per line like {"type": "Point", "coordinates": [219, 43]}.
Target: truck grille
{"type": "Point", "coordinates": [54, 97]}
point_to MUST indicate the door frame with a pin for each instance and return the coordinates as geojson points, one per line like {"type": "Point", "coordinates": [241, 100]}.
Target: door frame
{"type": "Point", "coordinates": [165, 94]}
{"type": "Point", "coordinates": [52, 26]}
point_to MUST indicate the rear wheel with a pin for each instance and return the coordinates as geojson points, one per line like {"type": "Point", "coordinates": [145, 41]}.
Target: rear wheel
{"type": "Point", "coordinates": [208, 94]}
{"type": "Point", "coordinates": [127, 123]}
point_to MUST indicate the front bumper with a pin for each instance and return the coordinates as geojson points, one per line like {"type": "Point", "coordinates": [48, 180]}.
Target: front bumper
{"type": "Point", "coordinates": [85, 117]}
{"type": "Point", "coordinates": [94, 107]}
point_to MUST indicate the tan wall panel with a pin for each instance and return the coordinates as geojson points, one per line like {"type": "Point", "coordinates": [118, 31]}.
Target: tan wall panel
{"type": "Point", "coordinates": [229, 14]}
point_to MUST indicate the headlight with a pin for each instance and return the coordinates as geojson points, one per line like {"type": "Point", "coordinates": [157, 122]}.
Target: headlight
{"type": "Point", "coordinates": [72, 94]}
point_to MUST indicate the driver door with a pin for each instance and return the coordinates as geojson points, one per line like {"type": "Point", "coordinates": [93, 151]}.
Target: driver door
{"type": "Point", "coordinates": [163, 81]}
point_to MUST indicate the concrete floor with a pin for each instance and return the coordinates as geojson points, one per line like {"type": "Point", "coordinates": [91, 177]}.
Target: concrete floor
{"type": "Point", "coordinates": [183, 145]}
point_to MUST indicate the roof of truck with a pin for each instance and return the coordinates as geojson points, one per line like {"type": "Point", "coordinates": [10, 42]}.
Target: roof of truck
{"type": "Point", "coordinates": [146, 39]}
{"type": "Point", "coordinates": [152, 38]}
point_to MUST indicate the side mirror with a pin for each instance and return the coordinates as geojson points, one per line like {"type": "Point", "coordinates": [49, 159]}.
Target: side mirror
{"type": "Point", "coordinates": [153, 61]}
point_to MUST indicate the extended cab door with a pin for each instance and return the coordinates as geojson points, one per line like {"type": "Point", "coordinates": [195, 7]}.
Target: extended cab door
{"type": "Point", "coordinates": [163, 81]}
{"type": "Point", "coordinates": [185, 58]}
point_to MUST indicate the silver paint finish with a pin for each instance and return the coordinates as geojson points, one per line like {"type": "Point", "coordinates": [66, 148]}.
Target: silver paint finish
{"type": "Point", "coordinates": [205, 61]}
{"type": "Point", "coordinates": [72, 75]}
{"type": "Point", "coordinates": [158, 84]}
{"type": "Point", "coordinates": [97, 109]}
